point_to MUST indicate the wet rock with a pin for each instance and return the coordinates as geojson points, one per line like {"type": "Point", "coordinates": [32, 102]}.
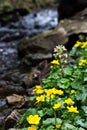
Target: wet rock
{"type": "Point", "coordinates": [10, 88]}
{"type": "Point", "coordinates": [16, 100]}
{"type": "Point", "coordinates": [68, 8]}
{"type": "Point", "coordinates": [12, 119]}
{"type": "Point", "coordinates": [40, 47]}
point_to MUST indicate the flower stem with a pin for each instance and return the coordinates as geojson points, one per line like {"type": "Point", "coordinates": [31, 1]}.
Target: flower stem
{"type": "Point", "coordinates": [55, 117]}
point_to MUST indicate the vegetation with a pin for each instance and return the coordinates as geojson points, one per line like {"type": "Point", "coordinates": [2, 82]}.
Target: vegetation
{"type": "Point", "coordinates": [9, 5]}
{"type": "Point", "coordinates": [61, 99]}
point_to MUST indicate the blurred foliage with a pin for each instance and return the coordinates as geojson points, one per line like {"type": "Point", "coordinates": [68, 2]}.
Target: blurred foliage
{"type": "Point", "coordinates": [28, 4]}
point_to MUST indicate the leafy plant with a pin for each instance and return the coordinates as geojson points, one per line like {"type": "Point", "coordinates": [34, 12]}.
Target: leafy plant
{"type": "Point", "coordinates": [61, 99]}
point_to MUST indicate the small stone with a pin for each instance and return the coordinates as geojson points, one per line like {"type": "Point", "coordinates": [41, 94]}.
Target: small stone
{"type": "Point", "coordinates": [16, 100]}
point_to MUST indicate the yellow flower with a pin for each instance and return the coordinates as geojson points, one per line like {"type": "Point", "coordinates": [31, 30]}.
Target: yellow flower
{"type": "Point", "coordinates": [50, 96]}
{"type": "Point", "coordinates": [59, 92]}
{"type": "Point", "coordinates": [32, 128]}
{"type": "Point", "coordinates": [58, 126]}
{"type": "Point", "coordinates": [33, 119]}
{"type": "Point", "coordinates": [48, 92]}
{"type": "Point", "coordinates": [82, 62]}
{"type": "Point", "coordinates": [72, 109]}
{"type": "Point", "coordinates": [57, 105]}
{"type": "Point", "coordinates": [51, 66]}
{"type": "Point", "coordinates": [84, 44]}
{"type": "Point", "coordinates": [81, 44]}
{"type": "Point", "coordinates": [69, 101]}
{"type": "Point", "coordinates": [39, 91]}
{"type": "Point", "coordinates": [78, 44]}
{"type": "Point", "coordinates": [55, 62]}
{"type": "Point", "coordinates": [40, 98]}
{"type": "Point", "coordinates": [36, 88]}
{"type": "Point", "coordinates": [73, 91]}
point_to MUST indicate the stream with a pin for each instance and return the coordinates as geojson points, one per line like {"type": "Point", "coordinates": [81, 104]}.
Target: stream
{"type": "Point", "coordinates": [10, 35]}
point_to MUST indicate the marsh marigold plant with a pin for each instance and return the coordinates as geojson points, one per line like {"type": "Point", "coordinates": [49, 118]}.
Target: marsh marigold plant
{"type": "Point", "coordinates": [60, 102]}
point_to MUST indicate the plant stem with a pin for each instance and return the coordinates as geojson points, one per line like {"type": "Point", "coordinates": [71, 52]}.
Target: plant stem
{"type": "Point", "coordinates": [55, 117]}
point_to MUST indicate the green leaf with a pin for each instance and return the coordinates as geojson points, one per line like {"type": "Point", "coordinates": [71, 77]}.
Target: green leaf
{"type": "Point", "coordinates": [84, 109]}
{"type": "Point", "coordinates": [82, 123]}
{"type": "Point", "coordinates": [49, 121]}
{"type": "Point", "coordinates": [24, 129]}
{"type": "Point", "coordinates": [85, 78]}
{"type": "Point", "coordinates": [68, 71]}
{"type": "Point", "coordinates": [50, 127]}
{"type": "Point", "coordinates": [30, 111]}
{"type": "Point", "coordinates": [64, 83]}
{"type": "Point", "coordinates": [81, 128]}
{"type": "Point", "coordinates": [69, 127]}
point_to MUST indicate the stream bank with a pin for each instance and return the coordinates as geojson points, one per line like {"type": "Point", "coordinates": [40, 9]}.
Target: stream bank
{"type": "Point", "coordinates": [12, 70]}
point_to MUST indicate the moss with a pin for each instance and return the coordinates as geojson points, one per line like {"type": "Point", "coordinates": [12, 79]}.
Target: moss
{"type": "Point", "coordinates": [7, 6]}
{"type": "Point", "coordinates": [27, 4]}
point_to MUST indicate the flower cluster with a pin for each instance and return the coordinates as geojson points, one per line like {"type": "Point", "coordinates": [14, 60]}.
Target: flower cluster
{"type": "Point", "coordinates": [50, 93]}
{"type": "Point", "coordinates": [81, 44]}
{"type": "Point", "coordinates": [83, 62]}
{"type": "Point", "coordinates": [46, 93]}
{"type": "Point", "coordinates": [60, 54]}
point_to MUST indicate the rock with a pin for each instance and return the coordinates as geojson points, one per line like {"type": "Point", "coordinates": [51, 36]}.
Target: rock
{"type": "Point", "coordinates": [36, 74]}
{"type": "Point", "coordinates": [3, 103]}
{"type": "Point", "coordinates": [10, 89]}
{"type": "Point", "coordinates": [68, 8]}
{"type": "Point", "coordinates": [16, 100]}
{"type": "Point", "coordinates": [12, 119]}
{"type": "Point", "coordinates": [40, 47]}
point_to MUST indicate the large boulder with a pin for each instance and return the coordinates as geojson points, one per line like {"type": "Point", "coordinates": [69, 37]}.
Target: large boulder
{"type": "Point", "coordinates": [40, 47]}
{"type": "Point", "coordinates": [68, 8]}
